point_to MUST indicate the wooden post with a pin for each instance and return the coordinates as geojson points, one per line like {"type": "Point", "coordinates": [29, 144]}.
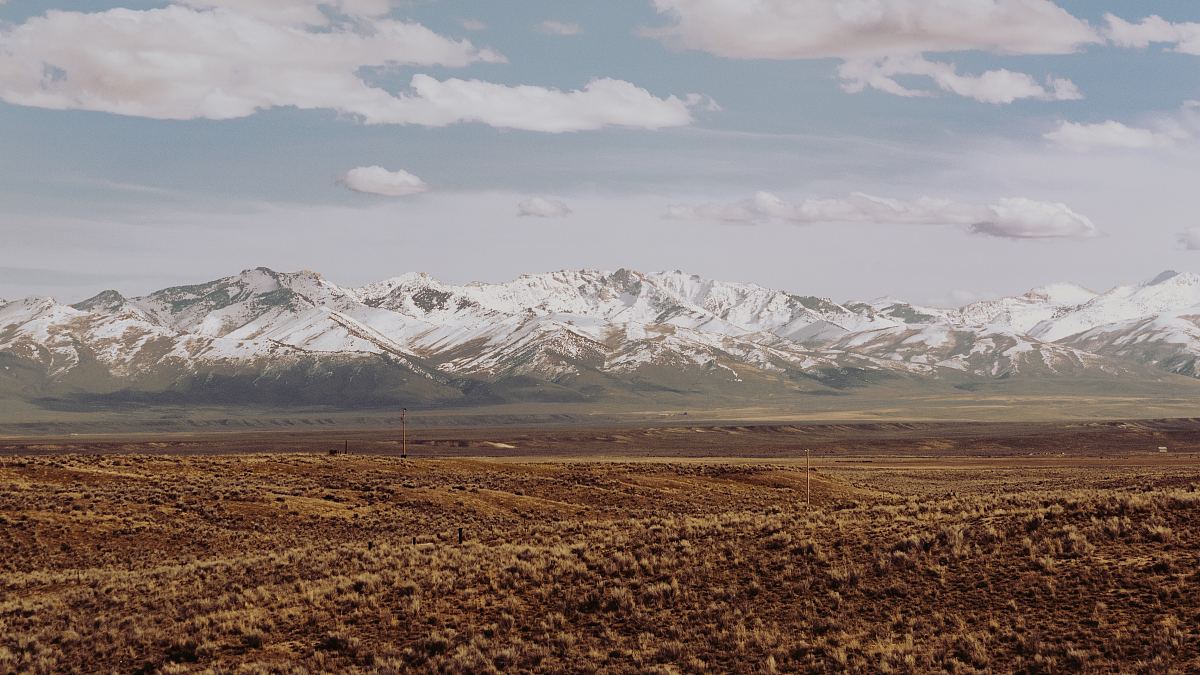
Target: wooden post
{"type": "Point", "coordinates": [346, 448]}
{"type": "Point", "coordinates": [460, 535]}
{"type": "Point", "coordinates": [403, 434]}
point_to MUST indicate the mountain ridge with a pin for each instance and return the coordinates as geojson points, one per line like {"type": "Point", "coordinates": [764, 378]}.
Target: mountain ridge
{"type": "Point", "coordinates": [575, 335]}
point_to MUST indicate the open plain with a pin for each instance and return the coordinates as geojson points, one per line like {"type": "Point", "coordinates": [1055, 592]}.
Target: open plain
{"type": "Point", "coordinates": [1043, 547]}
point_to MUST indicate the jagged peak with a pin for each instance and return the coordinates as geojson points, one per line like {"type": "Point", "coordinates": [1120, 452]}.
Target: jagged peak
{"type": "Point", "coordinates": [35, 304]}
{"type": "Point", "coordinates": [38, 301]}
{"type": "Point", "coordinates": [105, 301]}
{"type": "Point", "coordinates": [399, 281]}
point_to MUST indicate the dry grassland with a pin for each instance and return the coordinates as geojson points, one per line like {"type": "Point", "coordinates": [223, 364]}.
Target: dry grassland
{"type": "Point", "coordinates": [305, 563]}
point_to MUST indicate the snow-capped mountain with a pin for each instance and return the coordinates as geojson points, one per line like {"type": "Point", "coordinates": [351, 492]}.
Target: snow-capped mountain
{"type": "Point", "coordinates": [1154, 323]}
{"type": "Point", "coordinates": [296, 337]}
{"type": "Point", "coordinates": [1167, 293]}
{"type": "Point", "coordinates": [989, 351]}
{"type": "Point", "coordinates": [1022, 313]}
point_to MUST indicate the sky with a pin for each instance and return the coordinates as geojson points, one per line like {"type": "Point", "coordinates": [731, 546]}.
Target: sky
{"type": "Point", "coordinates": [940, 152]}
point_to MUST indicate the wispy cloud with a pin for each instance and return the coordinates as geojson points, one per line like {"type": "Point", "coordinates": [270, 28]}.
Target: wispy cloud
{"type": "Point", "coordinates": [1110, 134]}
{"type": "Point", "coordinates": [298, 12]}
{"type": "Point", "coordinates": [1190, 238]}
{"type": "Point", "coordinates": [543, 207]}
{"type": "Point", "coordinates": [552, 27]}
{"type": "Point", "coordinates": [993, 86]}
{"type": "Point", "coordinates": [1012, 218]}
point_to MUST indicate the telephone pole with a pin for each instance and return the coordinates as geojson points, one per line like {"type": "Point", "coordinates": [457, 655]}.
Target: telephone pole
{"type": "Point", "coordinates": [403, 434]}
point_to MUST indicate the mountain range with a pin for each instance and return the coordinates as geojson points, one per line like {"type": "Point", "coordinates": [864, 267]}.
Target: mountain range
{"type": "Point", "coordinates": [280, 339]}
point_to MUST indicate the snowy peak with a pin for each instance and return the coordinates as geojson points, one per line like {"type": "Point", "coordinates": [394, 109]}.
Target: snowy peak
{"type": "Point", "coordinates": [219, 307]}
{"type": "Point", "coordinates": [586, 331]}
{"type": "Point", "coordinates": [754, 308]}
{"type": "Point", "coordinates": [1168, 293]}
{"type": "Point", "coordinates": [1024, 312]}
{"type": "Point", "coordinates": [419, 296]}
{"type": "Point", "coordinates": [1061, 294]}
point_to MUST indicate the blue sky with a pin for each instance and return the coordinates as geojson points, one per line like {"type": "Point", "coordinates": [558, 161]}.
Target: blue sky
{"type": "Point", "coordinates": [983, 185]}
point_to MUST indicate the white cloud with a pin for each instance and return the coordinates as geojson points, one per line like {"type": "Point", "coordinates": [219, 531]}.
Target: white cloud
{"type": "Point", "coordinates": [1190, 238]}
{"type": "Point", "coordinates": [1153, 29]}
{"type": "Point", "coordinates": [551, 27]}
{"type": "Point", "coordinates": [543, 207]}
{"type": "Point", "coordinates": [1162, 130]}
{"type": "Point", "coordinates": [1020, 218]}
{"type": "Point", "coordinates": [1015, 218]}
{"type": "Point", "coordinates": [882, 39]}
{"type": "Point", "coordinates": [182, 63]}
{"type": "Point", "coordinates": [805, 29]}
{"type": "Point", "coordinates": [993, 86]}
{"type": "Point", "coordinates": [1110, 134]}
{"type": "Point", "coordinates": [473, 24]}
{"type": "Point", "coordinates": [602, 102]}
{"type": "Point", "coordinates": [297, 12]}
{"type": "Point", "coordinates": [377, 180]}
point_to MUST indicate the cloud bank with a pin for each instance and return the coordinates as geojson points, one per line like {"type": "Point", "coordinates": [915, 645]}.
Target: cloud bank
{"type": "Point", "coordinates": [184, 63]}
{"type": "Point", "coordinates": [377, 180]}
{"type": "Point", "coordinates": [1014, 218]}
{"type": "Point", "coordinates": [542, 207]}
{"type": "Point", "coordinates": [851, 29]}
{"type": "Point", "coordinates": [882, 39]}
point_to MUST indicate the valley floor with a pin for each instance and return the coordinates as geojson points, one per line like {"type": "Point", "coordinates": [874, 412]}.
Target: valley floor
{"type": "Point", "coordinates": [308, 562]}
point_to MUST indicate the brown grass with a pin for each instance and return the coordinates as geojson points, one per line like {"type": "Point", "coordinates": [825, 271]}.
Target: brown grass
{"type": "Point", "coordinates": [271, 562]}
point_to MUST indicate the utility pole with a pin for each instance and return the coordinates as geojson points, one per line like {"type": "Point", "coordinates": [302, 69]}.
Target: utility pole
{"type": "Point", "coordinates": [403, 434]}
